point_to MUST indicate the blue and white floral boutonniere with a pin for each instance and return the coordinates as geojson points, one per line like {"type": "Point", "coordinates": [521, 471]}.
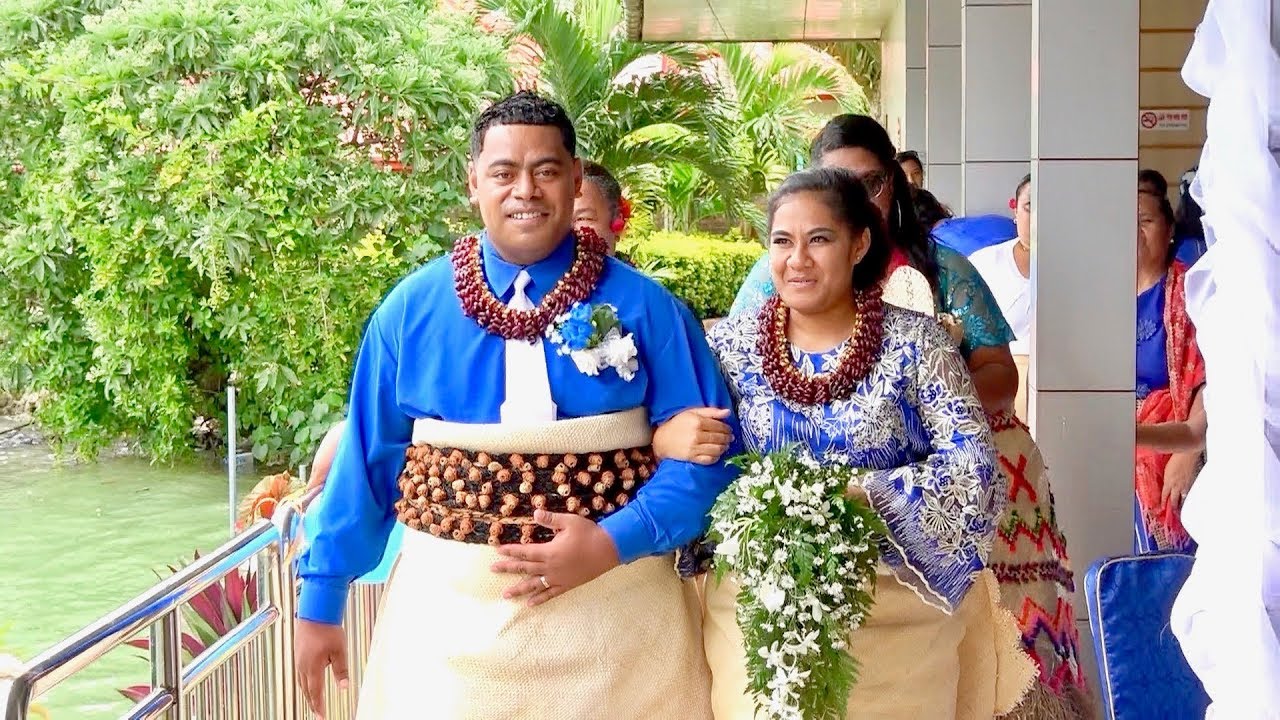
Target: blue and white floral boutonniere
{"type": "Point", "coordinates": [591, 335]}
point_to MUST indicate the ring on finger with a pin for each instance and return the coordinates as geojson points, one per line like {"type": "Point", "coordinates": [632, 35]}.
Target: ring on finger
{"type": "Point", "coordinates": [543, 579]}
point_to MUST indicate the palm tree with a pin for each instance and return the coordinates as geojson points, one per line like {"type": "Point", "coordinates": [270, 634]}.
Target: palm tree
{"type": "Point", "coordinates": [637, 107]}
{"type": "Point", "coordinates": [784, 93]}
{"type": "Point", "coordinates": [862, 59]}
{"type": "Point", "coordinates": [778, 88]}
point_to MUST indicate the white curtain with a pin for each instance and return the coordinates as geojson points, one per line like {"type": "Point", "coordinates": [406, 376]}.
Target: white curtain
{"type": "Point", "coordinates": [1227, 616]}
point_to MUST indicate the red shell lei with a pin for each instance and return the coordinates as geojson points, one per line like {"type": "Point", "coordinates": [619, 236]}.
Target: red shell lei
{"type": "Point", "coordinates": [480, 304]}
{"type": "Point", "coordinates": [856, 358]}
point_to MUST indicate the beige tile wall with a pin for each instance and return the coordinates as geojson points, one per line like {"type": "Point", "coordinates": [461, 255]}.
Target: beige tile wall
{"type": "Point", "coordinates": [1167, 29]}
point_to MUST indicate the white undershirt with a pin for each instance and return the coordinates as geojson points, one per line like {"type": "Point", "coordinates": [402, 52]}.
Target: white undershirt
{"type": "Point", "coordinates": [997, 266]}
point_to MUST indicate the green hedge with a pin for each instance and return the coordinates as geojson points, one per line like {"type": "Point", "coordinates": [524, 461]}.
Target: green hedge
{"type": "Point", "coordinates": [705, 271]}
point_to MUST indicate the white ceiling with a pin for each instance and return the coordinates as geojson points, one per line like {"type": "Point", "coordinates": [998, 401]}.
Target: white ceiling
{"type": "Point", "coordinates": [757, 20]}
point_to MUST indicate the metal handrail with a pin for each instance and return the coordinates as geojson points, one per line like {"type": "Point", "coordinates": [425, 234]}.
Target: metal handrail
{"type": "Point", "coordinates": [159, 608]}
{"type": "Point", "coordinates": [160, 604]}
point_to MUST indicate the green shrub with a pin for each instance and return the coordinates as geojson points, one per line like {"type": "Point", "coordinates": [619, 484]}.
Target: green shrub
{"type": "Point", "coordinates": [705, 271]}
{"type": "Point", "coordinates": [210, 208]}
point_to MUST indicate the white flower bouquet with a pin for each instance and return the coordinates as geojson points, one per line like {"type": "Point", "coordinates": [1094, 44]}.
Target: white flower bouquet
{"type": "Point", "coordinates": [804, 554]}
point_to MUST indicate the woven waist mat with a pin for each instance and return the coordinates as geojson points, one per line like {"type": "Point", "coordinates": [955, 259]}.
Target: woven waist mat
{"type": "Point", "coordinates": [479, 497]}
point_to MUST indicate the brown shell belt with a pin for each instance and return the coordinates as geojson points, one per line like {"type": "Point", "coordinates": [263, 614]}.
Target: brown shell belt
{"type": "Point", "coordinates": [479, 497]}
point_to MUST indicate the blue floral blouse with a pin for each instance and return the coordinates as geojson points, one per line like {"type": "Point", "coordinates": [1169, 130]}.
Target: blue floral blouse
{"type": "Point", "coordinates": [913, 420]}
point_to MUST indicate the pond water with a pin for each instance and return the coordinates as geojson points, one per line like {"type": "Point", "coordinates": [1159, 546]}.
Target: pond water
{"type": "Point", "coordinates": [78, 541]}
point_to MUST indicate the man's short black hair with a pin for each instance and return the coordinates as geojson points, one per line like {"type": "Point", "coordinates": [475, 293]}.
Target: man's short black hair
{"type": "Point", "coordinates": [596, 173]}
{"type": "Point", "coordinates": [911, 155]}
{"type": "Point", "coordinates": [524, 108]}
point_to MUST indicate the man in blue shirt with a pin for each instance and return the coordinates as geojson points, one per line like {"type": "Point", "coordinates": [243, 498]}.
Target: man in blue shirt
{"type": "Point", "coordinates": [437, 358]}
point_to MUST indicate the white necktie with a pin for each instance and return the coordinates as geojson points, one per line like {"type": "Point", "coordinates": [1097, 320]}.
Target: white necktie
{"type": "Point", "coordinates": [528, 399]}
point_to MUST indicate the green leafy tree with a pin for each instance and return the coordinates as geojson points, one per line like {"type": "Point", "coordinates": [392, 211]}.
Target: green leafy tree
{"type": "Point", "coordinates": [31, 30]}
{"type": "Point", "coordinates": [223, 201]}
{"type": "Point", "coordinates": [862, 59]}
{"type": "Point", "coordinates": [637, 107]}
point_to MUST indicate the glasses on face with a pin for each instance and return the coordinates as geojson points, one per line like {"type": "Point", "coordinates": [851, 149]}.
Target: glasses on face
{"type": "Point", "coordinates": [875, 182]}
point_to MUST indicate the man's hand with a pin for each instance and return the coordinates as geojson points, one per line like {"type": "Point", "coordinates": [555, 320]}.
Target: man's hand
{"type": "Point", "coordinates": [1179, 475]}
{"type": "Point", "coordinates": [580, 552]}
{"type": "Point", "coordinates": [316, 646]}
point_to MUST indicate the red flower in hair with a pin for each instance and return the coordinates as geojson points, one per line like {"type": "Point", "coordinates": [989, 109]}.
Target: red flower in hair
{"type": "Point", "coordinates": [624, 214]}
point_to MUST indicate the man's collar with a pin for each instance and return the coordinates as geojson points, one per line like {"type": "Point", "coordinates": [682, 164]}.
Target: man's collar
{"type": "Point", "coordinates": [502, 274]}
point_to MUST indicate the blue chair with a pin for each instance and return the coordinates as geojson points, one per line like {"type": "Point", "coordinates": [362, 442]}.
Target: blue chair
{"type": "Point", "coordinates": [967, 235]}
{"type": "Point", "coordinates": [1144, 675]}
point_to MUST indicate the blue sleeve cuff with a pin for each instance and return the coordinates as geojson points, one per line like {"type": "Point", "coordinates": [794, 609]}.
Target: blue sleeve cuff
{"type": "Point", "coordinates": [630, 536]}
{"type": "Point", "coordinates": [322, 601]}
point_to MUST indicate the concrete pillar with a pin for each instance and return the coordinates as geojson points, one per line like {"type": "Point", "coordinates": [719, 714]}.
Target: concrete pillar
{"type": "Point", "coordinates": [942, 100]}
{"type": "Point", "coordinates": [1084, 149]}
{"type": "Point", "coordinates": [995, 140]}
{"type": "Point", "coordinates": [913, 135]}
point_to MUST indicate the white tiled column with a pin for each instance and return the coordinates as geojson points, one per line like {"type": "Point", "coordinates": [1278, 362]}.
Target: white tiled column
{"type": "Point", "coordinates": [942, 100]}
{"type": "Point", "coordinates": [917, 49]}
{"type": "Point", "coordinates": [1084, 151]}
{"type": "Point", "coordinates": [995, 142]}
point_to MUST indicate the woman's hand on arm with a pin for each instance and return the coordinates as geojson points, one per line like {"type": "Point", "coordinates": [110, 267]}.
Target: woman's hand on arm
{"type": "Point", "coordinates": [1179, 475]}
{"type": "Point", "coordinates": [995, 376]}
{"type": "Point", "coordinates": [697, 435]}
{"type": "Point", "coordinates": [1177, 437]}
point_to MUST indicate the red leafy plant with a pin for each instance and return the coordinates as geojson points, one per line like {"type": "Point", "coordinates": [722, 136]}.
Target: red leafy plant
{"type": "Point", "coordinates": [210, 615]}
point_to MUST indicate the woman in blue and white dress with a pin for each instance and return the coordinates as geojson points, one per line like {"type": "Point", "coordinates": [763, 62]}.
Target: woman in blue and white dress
{"type": "Point", "coordinates": [827, 366]}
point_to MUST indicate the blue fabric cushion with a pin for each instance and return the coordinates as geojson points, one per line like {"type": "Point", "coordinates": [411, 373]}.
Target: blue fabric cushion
{"type": "Point", "coordinates": [1144, 674]}
{"type": "Point", "coordinates": [967, 235]}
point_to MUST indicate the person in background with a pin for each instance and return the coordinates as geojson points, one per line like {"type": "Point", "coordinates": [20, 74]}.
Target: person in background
{"type": "Point", "coordinates": [1171, 422]}
{"type": "Point", "coordinates": [929, 211]}
{"type": "Point", "coordinates": [1152, 181]}
{"type": "Point", "coordinates": [912, 167]}
{"type": "Point", "coordinates": [1188, 231]}
{"type": "Point", "coordinates": [600, 206]}
{"type": "Point", "coordinates": [1007, 269]}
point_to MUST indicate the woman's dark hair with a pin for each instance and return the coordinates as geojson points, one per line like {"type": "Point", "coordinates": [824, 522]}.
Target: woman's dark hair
{"type": "Point", "coordinates": [928, 210]}
{"type": "Point", "coordinates": [1189, 224]}
{"type": "Point", "coordinates": [905, 230]}
{"type": "Point", "coordinates": [1154, 179]}
{"type": "Point", "coordinates": [847, 197]}
{"type": "Point", "coordinates": [599, 175]}
{"type": "Point", "coordinates": [911, 155]}
{"type": "Point", "coordinates": [1025, 181]}
{"type": "Point", "coordinates": [1166, 211]}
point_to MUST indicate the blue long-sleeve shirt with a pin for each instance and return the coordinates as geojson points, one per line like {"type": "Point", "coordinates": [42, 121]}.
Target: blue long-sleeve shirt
{"type": "Point", "coordinates": [422, 358]}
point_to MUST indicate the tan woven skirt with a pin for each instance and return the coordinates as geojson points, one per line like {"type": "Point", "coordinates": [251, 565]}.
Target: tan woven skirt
{"type": "Point", "coordinates": [447, 646]}
{"type": "Point", "coordinates": [916, 662]}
